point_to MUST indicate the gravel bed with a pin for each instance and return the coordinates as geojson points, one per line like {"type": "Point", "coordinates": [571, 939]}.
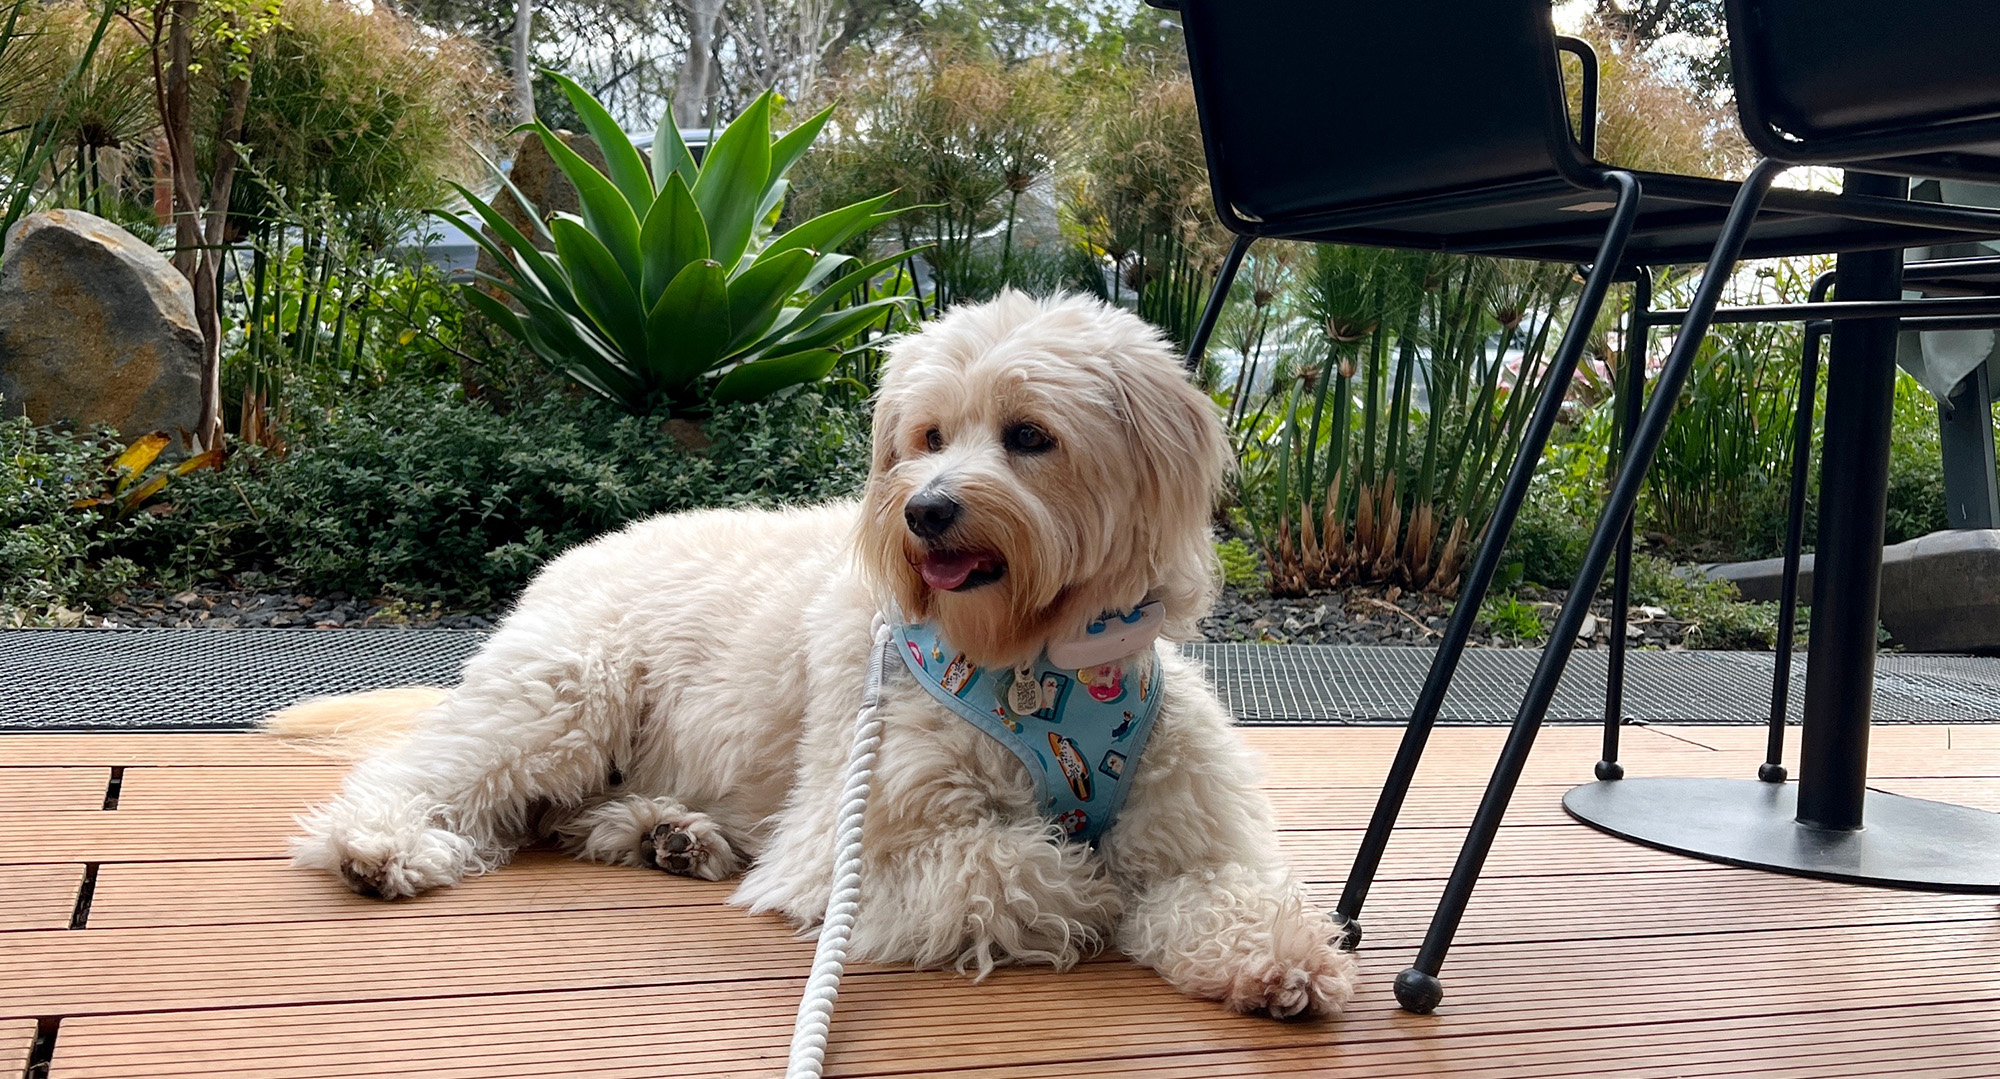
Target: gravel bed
{"type": "Point", "coordinates": [1367, 615]}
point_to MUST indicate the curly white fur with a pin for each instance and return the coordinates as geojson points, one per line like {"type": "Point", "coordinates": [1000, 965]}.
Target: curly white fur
{"type": "Point", "coordinates": [713, 662]}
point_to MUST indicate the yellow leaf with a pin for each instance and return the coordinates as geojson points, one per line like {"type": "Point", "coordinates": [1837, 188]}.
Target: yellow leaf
{"type": "Point", "coordinates": [136, 458]}
{"type": "Point", "coordinates": [142, 492]}
{"type": "Point", "coordinates": [205, 459]}
{"type": "Point", "coordinates": [406, 337]}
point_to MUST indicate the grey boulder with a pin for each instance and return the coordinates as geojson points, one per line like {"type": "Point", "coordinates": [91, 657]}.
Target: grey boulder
{"type": "Point", "coordinates": [96, 327]}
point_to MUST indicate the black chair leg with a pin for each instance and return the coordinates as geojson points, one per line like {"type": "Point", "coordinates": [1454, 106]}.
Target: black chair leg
{"type": "Point", "coordinates": [1773, 768]}
{"type": "Point", "coordinates": [1417, 987]}
{"type": "Point", "coordinates": [1217, 297]}
{"type": "Point", "coordinates": [1630, 402]}
{"type": "Point", "coordinates": [1479, 576]}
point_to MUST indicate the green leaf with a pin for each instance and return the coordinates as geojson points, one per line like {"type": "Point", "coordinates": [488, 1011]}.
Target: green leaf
{"type": "Point", "coordinates": [786, 151]}
{"type": "Point", "coordinates": [757, 294]}
{"type": "Point", "coordinates": [670, 152]}
{"type": "Point", "coordinates": [628, 169]}
{"type": "Point", "coordinates": [833, 294]}
{"type": "Point", "coordinates": [519, 256]}
{"type": "Point", "coordinates": [837, 326]}
{"type": "Point", "coordinates": [733, 180]}
{"type": "Point", "coordinates": [496, 312]}
{"type": "Point", "coordinates": [758, 379]}
{"type": "Point", "coordinates": [528, 207]}
{"type": "Point", "coordinates": [605, 210]}
{"type": "Point", "coordinates": [687, 330]}
{"type": "Point", "coordinates": [830, 229]}
{"type": "Point", "coordinates": [601, 285]}
{"type": "Point", "coordinates": [673, 236]}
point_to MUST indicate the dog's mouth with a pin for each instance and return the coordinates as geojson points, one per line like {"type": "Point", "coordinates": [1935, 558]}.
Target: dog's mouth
{"type": "Point", "coordinates": [961, 571]}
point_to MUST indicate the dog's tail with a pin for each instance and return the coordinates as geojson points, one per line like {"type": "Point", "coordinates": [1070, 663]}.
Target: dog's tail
{"type": "Point", "coordinates": [354, 725]}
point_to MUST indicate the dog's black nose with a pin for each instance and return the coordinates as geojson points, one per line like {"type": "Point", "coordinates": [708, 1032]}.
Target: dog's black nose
{"type": "Point", "coordinates": [930, 514]}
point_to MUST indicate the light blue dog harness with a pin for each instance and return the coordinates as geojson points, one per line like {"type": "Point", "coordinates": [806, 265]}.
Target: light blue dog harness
{"type": "Point", "coordinates": [1079, 732]}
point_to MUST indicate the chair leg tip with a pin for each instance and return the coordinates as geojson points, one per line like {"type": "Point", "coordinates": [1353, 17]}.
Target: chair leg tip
{"type": "Point", "coordinates": [1609, 770]}
{"type": "Point", "coordinates": [1350, 932]}
{"type": "Point", "coordinates": [1771, 773]}
{"type": "Point", "coordinates": [1418, 992]}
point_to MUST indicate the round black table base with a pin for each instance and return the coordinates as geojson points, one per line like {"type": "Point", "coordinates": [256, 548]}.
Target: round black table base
{"type": "Point", "coordinates": [1906, 842]}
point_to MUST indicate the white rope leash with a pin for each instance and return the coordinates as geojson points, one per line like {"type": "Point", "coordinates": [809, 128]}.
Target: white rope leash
{"type": "Point", "coordinates": [808, 1058]}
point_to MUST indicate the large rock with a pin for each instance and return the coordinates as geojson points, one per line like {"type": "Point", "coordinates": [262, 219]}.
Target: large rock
{"type": "Point", "coordinates": [1940, 593]}
{"type": "Point", "coordinates": [538, 178]}
{"type": "Point", "coordinates": [96, 327]}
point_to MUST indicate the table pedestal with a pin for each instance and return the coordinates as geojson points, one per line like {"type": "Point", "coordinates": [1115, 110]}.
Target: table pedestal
{"type": "Point", "coordinates": [1907, 842]}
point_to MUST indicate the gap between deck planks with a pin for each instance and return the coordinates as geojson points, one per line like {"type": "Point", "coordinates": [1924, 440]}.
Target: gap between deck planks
{"type": "Point", "coordinates": [1581, 955]}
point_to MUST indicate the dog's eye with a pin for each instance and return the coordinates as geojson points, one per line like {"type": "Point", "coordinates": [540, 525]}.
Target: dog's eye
{"type": "Point", "coordinates": [1028, 438]}
{"type": "Point", "coordinates": [933, 439]}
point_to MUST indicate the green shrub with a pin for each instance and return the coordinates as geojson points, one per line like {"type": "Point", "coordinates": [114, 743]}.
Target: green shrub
{"type": "Point", "coordinates": [1720, 617]}
{"type": "Point", "coordinates": [1509, 617]}
{"type": "Point", "coordinates": [1240, 569]}
{"type": "Point", "coordinates": [54, 553]}
{"type": "Point", "coordinates": [417, 492]}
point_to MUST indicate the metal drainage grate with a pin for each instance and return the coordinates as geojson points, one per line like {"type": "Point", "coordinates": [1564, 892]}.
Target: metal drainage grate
{"type": "Point", "coordinates": [1336, 684]}
{"type": "Point", "coordinates": [214, 679]}
{"type": "Point", "coordinates": [180, 679]}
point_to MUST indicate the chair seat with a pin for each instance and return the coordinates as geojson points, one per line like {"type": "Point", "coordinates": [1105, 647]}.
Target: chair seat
{"type": "Point", "coordinates": [1680, 218]}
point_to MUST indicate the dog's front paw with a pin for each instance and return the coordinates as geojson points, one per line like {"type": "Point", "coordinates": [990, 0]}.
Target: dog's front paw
{"type": "Point", "coordinates": [388, 865]}
{"type": "Point", "coordinates": [1318, 984]}
{"type": "Point", "coordinates": [690, 846]}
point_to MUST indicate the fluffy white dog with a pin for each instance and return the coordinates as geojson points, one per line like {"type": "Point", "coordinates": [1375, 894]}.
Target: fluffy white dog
{"type": "Point", "coordinates": [682, 694]}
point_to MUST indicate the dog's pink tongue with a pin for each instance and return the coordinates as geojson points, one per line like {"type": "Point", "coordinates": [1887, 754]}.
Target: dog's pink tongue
{"type": "Point", "coordinates": [945, 572]}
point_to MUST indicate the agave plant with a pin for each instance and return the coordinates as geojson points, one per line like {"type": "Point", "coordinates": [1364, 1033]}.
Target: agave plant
{"type": "Point", "coordinates": [671, 277]}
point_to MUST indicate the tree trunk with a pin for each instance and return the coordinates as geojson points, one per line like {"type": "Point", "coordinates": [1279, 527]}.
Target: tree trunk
{"type": "Point", "coordinates": [692, 89]}
{"type": "Point", "coordinates": [524, 74]}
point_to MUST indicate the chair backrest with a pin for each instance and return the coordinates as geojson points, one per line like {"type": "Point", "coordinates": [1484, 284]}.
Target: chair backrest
{"type": "Point", "coordinates": [1845, 81]}
{"type": "Point", "coordinates": [1309, 107]}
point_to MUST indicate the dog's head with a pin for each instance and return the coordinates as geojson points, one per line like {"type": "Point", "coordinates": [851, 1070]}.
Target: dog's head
{"type": "Point", "coordinates": [1036, 464]}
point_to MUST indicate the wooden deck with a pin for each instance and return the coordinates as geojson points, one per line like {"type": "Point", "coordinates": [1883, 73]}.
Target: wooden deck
{"type": "Point", "coordinates": [200, 953]}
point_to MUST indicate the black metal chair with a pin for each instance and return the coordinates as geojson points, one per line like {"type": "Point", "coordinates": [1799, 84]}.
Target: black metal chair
{"type": "Point", "coordinates": [1441, 126]}
{"type": "Point", "coordinates": [1894, 110]}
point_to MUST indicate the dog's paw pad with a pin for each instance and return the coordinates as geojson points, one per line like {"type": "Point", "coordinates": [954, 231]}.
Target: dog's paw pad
{"type": "Point", "coordinates": [689, 848]}
{"type": "Point", "coordinates": [1319, 986]}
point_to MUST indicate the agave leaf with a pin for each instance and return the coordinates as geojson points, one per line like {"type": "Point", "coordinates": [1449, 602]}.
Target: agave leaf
{"type": "Point", "coordinates": [627, 168]}
{"type": "Point", "coordinates": [833, 293]}
{"type": "Point", "coordinates": [687, 329]}
{"type": "Point", "coordinates": [607, 296]}
{"type": "Point", "coordinates": [670, 152]}
{"type": "Point", "coordinates": [757, 294]}
{"type": "Point", "coordinates": [830, 229]}
{"type": "Point", "coordinates": [758, 379]}
{"type": "Point", "coordinates": [528, 207]}
{"type": "Point", "coordinates": [496, 312]}
{"type": "Point", "coordinates": [673, 236]}
{"type": "Point", "coordinates": [837, 326]}
{"type": "Point", "coordinates": [525, 256]}
{"type": "Point", "coordinates": [137, 458]}
{"type": "Point", "coordinates": [609, 216]}
{"type": "Point", "coordinates": [823, 268]}
{"type": "Point", "coordinates": [733, 180]}
{"type": "Point", "coordinates": [786, 151]}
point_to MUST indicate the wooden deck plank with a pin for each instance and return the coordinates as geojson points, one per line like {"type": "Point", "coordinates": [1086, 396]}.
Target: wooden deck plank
{"type": "Point", "coordinates": [293, 788]}
{"type": "Point", "coordinates": [17, 1039]}
{"type": "Point", "coordinates": [44, 789]}
{"type": "Point", "coordinates": [1026, 1023]}
{"type": "Point", "coordinates": [190, 747]}
{"type": "Point", "coordinates": [1581, 955]}
{"type": "Point", "coordinates": [159, 836]}
{"type": "Point", "coordinates": [38, 896]}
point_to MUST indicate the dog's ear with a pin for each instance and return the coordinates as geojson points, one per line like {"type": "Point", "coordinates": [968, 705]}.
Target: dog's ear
{"type": "Point", "coordinates": [1182, 459]}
